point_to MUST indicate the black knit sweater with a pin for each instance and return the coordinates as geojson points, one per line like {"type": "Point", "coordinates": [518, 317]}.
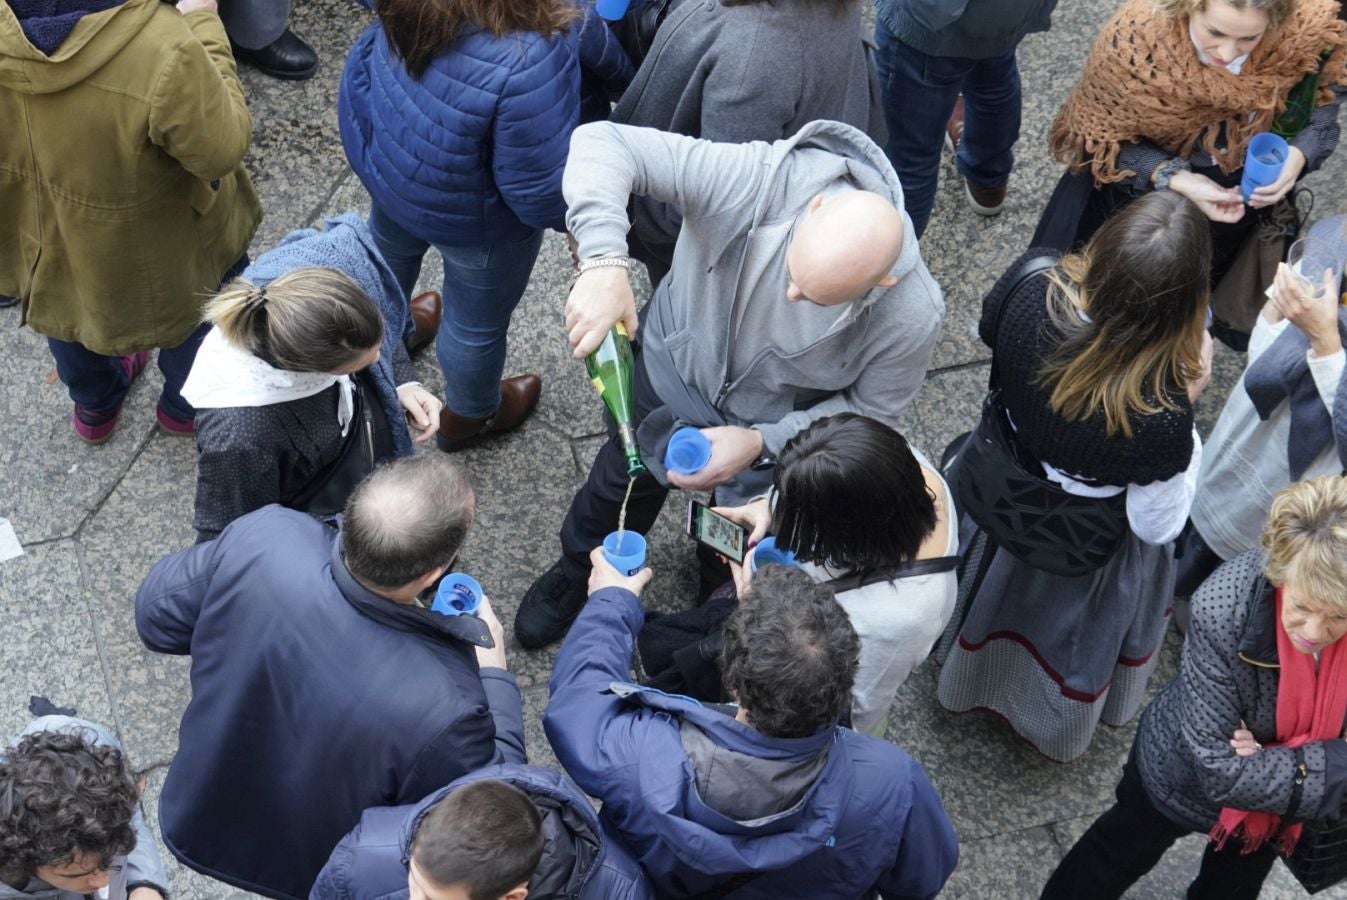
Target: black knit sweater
{"type": "Point", "coordinates": [1161, 443]}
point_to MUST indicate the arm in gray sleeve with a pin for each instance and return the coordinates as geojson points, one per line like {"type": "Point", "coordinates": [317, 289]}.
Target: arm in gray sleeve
{"type": "Point", "coordinates": [608, 163]}
{"type": "Point", "coordinates": [403, 372]}
{"type": "Point", "coordinates": [1143, 158]}
{"type": "Point", "coordinates": [1318, 139]}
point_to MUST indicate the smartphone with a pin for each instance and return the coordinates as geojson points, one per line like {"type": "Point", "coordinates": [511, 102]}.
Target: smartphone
{"type": "Point", "coordinates": [727, 538]}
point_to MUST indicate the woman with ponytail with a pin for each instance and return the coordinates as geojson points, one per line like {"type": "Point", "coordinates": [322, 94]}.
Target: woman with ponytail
{"type": "Point", "coordinates": [303, 384]}
{"type": "Point", "coordinates": [1097, 360]}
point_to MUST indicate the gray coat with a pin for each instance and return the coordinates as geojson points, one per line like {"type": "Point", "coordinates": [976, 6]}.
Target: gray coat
{"type": "Point", "coordinates": [139, 867]}
{"type": "Point", "coordinates": [722, 344]}
{"type": "Point", "coordinates": [970, 29]}
{"type": "Point", "coordinates": [1230, 674]}
{"type": "Point", "coordinates": [749, 71]}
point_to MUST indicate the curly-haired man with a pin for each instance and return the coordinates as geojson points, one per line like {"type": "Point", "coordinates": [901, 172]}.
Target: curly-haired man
{"type": "Point", "coordinates": [69, 823]}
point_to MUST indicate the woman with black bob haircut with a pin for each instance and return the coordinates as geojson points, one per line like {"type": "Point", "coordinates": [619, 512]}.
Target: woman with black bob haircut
{"type": "Point", "coordinates": [866, 514]}
{"type": "Point", "coordinates": [69, 827]}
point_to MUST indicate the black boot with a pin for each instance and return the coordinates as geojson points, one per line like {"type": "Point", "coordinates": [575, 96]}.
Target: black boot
{"type": "Point", "coordinates": [287, 57]}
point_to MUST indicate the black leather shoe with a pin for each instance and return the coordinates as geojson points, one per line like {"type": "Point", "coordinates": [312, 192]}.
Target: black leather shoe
{"type": "Point", "coordinates": [7, 302]}
{"type": "Point", "coordinates": [287, 57]}
{"type": "Point", "coordinates": [548, 609]}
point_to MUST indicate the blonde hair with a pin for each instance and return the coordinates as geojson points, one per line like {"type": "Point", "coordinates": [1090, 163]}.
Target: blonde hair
{"type": "Point", "coordinates": [312, 319]}
{"type": "Point", "coordinates": [1142, 284]}
{"type": "Point", "coordinates": [1306, 539]}
{"type": "Point", "coordinates": [1277, 10]}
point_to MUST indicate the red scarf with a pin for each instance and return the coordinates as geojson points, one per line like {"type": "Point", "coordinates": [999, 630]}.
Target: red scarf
{"type": "Point", "coordinates": [1311, 706]}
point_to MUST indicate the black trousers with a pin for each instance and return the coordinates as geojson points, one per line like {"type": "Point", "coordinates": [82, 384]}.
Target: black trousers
{"type": "Point", "coordinates": [593, 513]}
{"type": "Point", "coordinates": [1128, 840]}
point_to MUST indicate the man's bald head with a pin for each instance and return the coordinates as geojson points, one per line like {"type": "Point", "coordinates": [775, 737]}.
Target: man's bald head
{"type": "Point", "coordinates": [407, 518]}
{"type": "Point", "coordinates": [847, 244]}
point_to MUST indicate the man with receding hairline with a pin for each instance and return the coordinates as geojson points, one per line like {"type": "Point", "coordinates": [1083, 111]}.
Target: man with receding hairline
{"type": "Point", "coordinates": [796, 291]}
{"type": "Point", "coordinates": [320, 685]}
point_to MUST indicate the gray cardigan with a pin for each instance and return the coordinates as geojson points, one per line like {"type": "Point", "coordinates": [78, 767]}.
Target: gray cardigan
{"type": "Point", "coordinates": [754, 71]}
{"type": "Point", "coordinates": [722, 344]}
{"type": "Point", "coordinates": [970, 29]}
{"type": "Point", "coordinates": [141, 866]}
{"type": "Point", "coordinates": [1230, 674]}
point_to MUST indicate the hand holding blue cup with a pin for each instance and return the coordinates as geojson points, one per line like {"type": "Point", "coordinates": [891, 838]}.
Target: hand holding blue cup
{"type": "Point", "coordinates": [688, 451]}
{"type": "Point", "coordinates": [625, 551]}
{"type": "Point", "coordinates": [1263, 162]}
{"type": "Point", "coordinates": [768, 553]}
{"type": "Point", "coordinates": [457, 595]}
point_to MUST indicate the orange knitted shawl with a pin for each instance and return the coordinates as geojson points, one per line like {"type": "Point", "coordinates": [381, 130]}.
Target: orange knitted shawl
{"type": "Point", "coordinates": [1143, 80]}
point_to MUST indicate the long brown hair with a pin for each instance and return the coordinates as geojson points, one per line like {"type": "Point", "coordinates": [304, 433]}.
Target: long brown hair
{"type": "Point", "coordinates": [417, 30]}
{"type": "Point", "coordinates": [1142, 284]}
{"type": "Point", "coordinates": [310, 319]}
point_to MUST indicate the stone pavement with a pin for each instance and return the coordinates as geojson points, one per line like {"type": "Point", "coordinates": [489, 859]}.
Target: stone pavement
{"type": "Point", "coordinates": [93, 520]}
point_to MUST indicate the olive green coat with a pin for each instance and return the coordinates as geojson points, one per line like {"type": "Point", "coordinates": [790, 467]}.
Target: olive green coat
{"type": "Point", "coordinates": [123, 197]}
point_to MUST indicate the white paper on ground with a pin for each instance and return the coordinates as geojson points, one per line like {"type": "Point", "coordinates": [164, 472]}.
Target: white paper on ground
{"type": "Point", "coordinates": [9, 541]}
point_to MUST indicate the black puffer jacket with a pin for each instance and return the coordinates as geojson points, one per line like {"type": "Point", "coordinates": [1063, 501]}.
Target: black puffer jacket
{"type": "Point", "coordinates": [1230, 674]}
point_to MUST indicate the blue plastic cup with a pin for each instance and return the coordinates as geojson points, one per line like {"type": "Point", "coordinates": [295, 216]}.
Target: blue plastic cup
{"type": "Point", "coordinates": [1263, 161]}
{"type": "Point", "coordinates": [458, 595]}
{"type": "Point", "coordinates": [612, 10]}
{"type": "Point", "coordinates": [768, 553]}
{"type": "Point", "coordinates": [625, 551]}
{"type": "Point", "coordinates": [688, 451]}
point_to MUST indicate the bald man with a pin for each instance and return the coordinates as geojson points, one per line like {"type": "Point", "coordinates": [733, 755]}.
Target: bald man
{"type": "Point", "coordinates": [320, 688]}
{"type": "Point", "coordinates": [796, 291]}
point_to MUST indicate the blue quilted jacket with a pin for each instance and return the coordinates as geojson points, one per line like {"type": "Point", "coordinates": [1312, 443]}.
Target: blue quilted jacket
{"type": "Point", "coordinates": [472, 152]}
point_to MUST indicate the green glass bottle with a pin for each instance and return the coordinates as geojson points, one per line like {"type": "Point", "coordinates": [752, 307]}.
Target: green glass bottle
{"type": "Point", "coordinates": [610, 369]}
{"type": "Point", "coordinates": [1300, 103]}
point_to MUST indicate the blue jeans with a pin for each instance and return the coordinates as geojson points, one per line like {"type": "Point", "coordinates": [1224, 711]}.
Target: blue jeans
{"type": "Point", "coordinates": [482, 286]}
{"type": "Point", "coordinates": [99, 384]}
{"type": "Point", "coordinates": [919, 94]}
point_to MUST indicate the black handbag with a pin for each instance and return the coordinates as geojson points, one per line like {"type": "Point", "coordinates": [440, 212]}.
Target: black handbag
{"type": "Point", "coordinates": [1021, 511]}
{"type": "Point", "coordinates": [1320, 858]}
{"type": "Point", "coordinates": [367, 442]}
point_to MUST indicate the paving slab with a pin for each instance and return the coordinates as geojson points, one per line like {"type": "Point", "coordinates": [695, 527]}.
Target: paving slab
{"type": "Point", "coordinates": [1006, 867]}
{"type": "Point", "coordinates": [48, 648]}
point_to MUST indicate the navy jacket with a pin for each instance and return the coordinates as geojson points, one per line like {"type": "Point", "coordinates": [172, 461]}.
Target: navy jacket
{"type": "Point", "coordinates": [472, 152]}
{"type": "Point", "coordinates": [313, 699]}
{"type": "Point", "coordinates": [578, 861]}
{"type": "Point", "coordinates": [869, 822]}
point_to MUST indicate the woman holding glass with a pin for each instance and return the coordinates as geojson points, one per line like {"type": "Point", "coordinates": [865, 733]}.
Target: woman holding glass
{"type": "Point", "coordinates": [1247, 742]}
{"type": "Point", "coordinates": [1172, 94]}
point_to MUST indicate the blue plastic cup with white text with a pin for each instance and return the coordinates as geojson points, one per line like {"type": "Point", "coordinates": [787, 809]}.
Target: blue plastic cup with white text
{"type": "Point", "coordinates": [625, 551]}
{"type": "Point", "coordinates": [768, 553]}
{"type": "Point", "coordinates": [457, 595]}
{"type": "Point", "coordinates": [612, 10]}
{"type": "Point", "coordinates": [1263, 162]}
{"type": "Point", "coordinates": [688, 451]}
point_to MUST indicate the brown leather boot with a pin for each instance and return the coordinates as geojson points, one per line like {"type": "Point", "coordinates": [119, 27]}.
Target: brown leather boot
{"type": "Point", "coordinates": [518, 397]}
{"type": "Point", "coordinates": [426, 311]}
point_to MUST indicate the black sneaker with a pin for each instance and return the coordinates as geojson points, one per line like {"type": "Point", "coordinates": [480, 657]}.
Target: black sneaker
{"type": "Point", "coordinates": [548, 609]}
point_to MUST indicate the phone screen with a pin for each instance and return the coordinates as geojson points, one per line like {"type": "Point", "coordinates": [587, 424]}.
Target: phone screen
{"type": "Point", "coordinates": [716, 531]}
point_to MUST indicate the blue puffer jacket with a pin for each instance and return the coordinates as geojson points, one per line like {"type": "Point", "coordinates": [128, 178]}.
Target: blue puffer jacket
{"type": "Point", "coordinates": [472, 152]}
{"type": "Point", "coordinates": [868, 823]}
{"type": "Point", "coordinates": [579, 861]}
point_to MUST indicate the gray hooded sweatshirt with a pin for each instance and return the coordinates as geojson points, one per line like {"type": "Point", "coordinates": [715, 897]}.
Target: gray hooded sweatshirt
{"type": "Point", "coordinates": [139, 867]}
{"type": "Point", "coordinates": [721, 343]}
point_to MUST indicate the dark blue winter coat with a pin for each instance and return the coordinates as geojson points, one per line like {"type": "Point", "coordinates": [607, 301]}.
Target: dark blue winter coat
{"type": "Point", "coordinates": [869, 821]}
{"type": "Point", "coordinates": [313, 699]}
{"type": "Point", "coordinates": [471, 153]}
{"type": "Point", "coordinates": [578, 860]}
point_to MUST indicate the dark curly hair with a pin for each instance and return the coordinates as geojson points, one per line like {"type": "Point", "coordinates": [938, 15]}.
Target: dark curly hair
{"type": "Point", "coordinates": [790, 654]}
{"type": "Point", "coordinates": [62, 796]}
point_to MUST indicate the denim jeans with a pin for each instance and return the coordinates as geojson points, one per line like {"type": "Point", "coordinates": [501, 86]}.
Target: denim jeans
{"type": "Point", "coordinates": [99, 384]}
{"type": "Point", "coordinates": [919, 93]}
{"type": "Point", "coordinates": [482, 286]}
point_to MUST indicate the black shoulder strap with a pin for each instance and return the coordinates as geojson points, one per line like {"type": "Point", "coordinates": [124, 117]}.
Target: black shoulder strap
{"type": "Point", "coordinates": [910, 569]}
{"type": "Point", "coordinates": [1035, 265]}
